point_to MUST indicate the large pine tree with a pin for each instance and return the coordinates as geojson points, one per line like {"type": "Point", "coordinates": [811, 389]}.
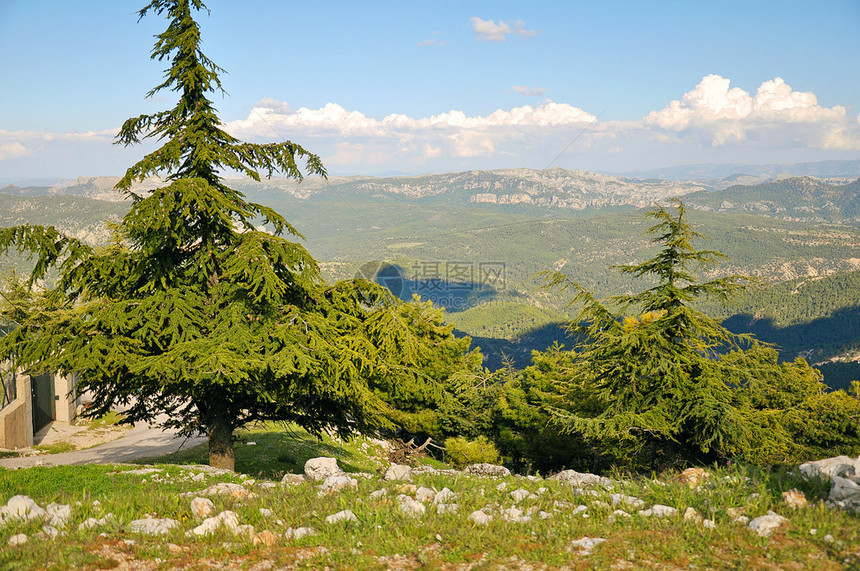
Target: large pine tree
{"type": "Point", "coordinates": [195, 312]}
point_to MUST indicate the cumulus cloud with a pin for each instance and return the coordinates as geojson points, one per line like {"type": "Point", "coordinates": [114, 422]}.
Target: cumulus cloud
{"type": "Point", "coordinates": [529, 91]}
{"type": "Point", "coordinates": [12, 150]}
{"type": "Point", "coordinates": [489, 31]}
{"type": "Point", "coordinates": [717, 113]}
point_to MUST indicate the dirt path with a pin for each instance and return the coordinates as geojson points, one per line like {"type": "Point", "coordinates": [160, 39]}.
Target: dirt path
{"type": "Point", "coordinates": [142, 441]}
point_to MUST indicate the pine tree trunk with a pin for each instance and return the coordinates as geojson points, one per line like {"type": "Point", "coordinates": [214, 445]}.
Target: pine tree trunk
{"type": "Point", "coordinates": [221, 442]}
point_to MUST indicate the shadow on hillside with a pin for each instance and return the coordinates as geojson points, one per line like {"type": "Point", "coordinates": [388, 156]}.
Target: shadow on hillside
{"type": "Point", "coordinates": [456, 286]}
{"type": "Point", "coordinates": [519, 350]}
{"type": "Point", "coordinates": [816, 341]}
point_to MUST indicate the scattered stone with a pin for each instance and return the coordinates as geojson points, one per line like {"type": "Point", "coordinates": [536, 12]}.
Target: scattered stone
{"type": "Point", "coordinates": [21, 507]}
{"type": "Point", "coordinates": [579, 509]}
{"type": "Point", "coordinates": [741, 520]}
{"type": "Point", "coordinates": [544, 515]}
{"type": "Point", "coordinates": [202, 507]}
{"type": "Point", "coordinates": [198, 477]}
{"type": "Point", "coordinates": [487, 470]}
{"type": "Point", "coordinates": [694, 477]}
{"type": "Point", "coordinates": [766, 524]}
{"type": "Point", "coordinates": [341, 516]}
{"type": "Point", "coordinates": [173, 548]}
{"type": "Point", "coordinates": [444, 496]}
{"type": "Point", "coordinates": [515, 515]}
{"type": "Point", "coordinates": [318, 469]}
{"type": "Point", "coordinates": [829, 467]}
{"type": "Point", "coordinates": [48, 532]}
{"type": "Point", "coordinates": [407, 489]}
{"type": "Point", "coordinates": [709, 524]}
{"type": "Point", "coordinates": [398, 473]}
{"type": "Point", "coordinates": [59, 514]}
{"type": "Point", "coordinates": [237, 491]}
{"type": "Point", "coordinates": [423, 494]}
{"type": "Point", "coordinates": [630, 501]}
{"type": "Point", "coordinates": [502, 487]}
{"type": "Point", "coordinates": [139, 471]}
{"type": "Point", "coordinates": [299, 532]}
{"type": "Point", "coordinates": [519, 495]}
{"type": "Point", "coordinates": [828, 538]}
{"type": "Point", "coordinates": [266, 512]}
{"type": "Point", "coordinates": [584, 545]}
{"type": "Point", "coordinates": [690, 514]}
{"type": "Point", "coordinates": [335, 483]}
{"type": "Point", "coordinates": [658, 510]}
{"type": "Point", "coordinates": [795, 499]}
{"type": "Point", "coordinates": [447, 508]}
{"type": "Point", "coordinates": [292, 479]}
{"type": "Point", "coordinates": [478, 517]}
{"type": "Point", "coordinates": [266, 537]}
{"type": "Point", "coordinates": [734, 513]}
{"type": "Point", "coordinates": [580, 479]}
{"type": "Point", "coordinates": [410, 507]}
{"type": "Point", "coordinates": [17, 539]}
{"type": "Point", "coordinates": [152, 526]}
{"type": "Point", "coordinates": [226, 519]}
{"type": "Point", "coordinates": [92, 522]}
{"type": "Point", "coordinates": [378, 494]}
{"type": "Point", "coordinates": [845, 493]}
{"type": "Point", "coordinates": [616, 515]}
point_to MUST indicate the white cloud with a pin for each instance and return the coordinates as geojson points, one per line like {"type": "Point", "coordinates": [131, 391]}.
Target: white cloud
{"type": "Point", "coordinates": [489, 31]}
{"type": "Point", "coordinates": [716, 113]}
{"type": "Point", "coordinates": [530, 92]}
{"type": "Point", "coordinates": [12, 150]}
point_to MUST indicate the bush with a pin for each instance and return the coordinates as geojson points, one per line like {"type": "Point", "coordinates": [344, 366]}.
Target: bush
{"type": "Point", "coordinates": [462, 451]}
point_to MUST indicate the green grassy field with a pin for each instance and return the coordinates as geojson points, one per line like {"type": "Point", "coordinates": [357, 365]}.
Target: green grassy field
{"type": "Point", "coordinates": [383, 537]}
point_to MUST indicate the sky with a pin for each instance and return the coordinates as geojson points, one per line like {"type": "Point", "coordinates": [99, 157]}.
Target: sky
{"type": "Point", "coordinates": [385, 87]}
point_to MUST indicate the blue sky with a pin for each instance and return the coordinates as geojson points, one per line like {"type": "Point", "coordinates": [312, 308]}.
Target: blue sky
{"type": "Point", "coordinates": [379, 87]}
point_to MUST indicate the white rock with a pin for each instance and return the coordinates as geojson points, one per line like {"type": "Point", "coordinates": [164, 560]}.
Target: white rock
{"type": "Point", "coordinates": [226, 519]}
{"type": "Point", "coordinates": [202, 507]}
{"type": "Point", "coordinates": [478, 517]}
{"type": "Point", "coordinates": [223, 488]}
{"type": "Point", "coordinates": [299, 532]}
{"type": "Point", "coordinates": [92, 522]}
{"type": "Point", "coordinates": [447, 508]}
{"type": "Point", "coordinates": [658, 510]}
{"type": "Point", "coordinates": [487, 470]}
{"type": "Point", "coordinates": [342, 516]}
{"type": "Point", "coordinates": [444, 496]}
{"type": "Point", "coordinates": [690, 514]}
{"type": "Point", "coordinates": [424, 494]}
{"type": "Point", "coordinates": [318, 469]}
{"type": "Point", "coordinates": [845, 490]}
{"type": "Point", "coordinates": [17, 539]}
{"type": "Point", "coordinates": [22, 507]}
{"type": "Point", "coordinates": [766, 524]}
{"type": "Point", "coordinates": [198, 477]}
{"type": "Point", "coordinates": [335, 483]}
{"type": "Point", "coordinates": [59, 514]}
{"type": "Point", "coordinates": [616, 515]}
{"type": "Point", "coordinates": [266, 512]}
{"type": "Point", "coordinates": [377, 494]}
{"type": "Point", "coordinates": [827, 468]}
{"type": "Point", "coordinates": [579, 479]}
{"type": "Point", "coordinates": [631, 502]}
{"type": "Point", "coordinates": [709, 523]}
{"type": "Point", "coordinates": [48, 532]}
{"type": "Point", "coordinates": [579, 509]}
{"type": "Point", "coordinates": [519, 495]}
{"type": "Point", "coordinates": [515, 515]}
{"type": "Point", "coordinates": [585, 544]}
{"type": "Point", "coordinates": [410, 507]}
{"type": "Point", "coordinates": [741, 520]}
{"type": "Point", "coordinates": [152, 526]}
{"type": "Point", "coordinates": [502, 487]}
{"type": "Point", "coordinates": [398, 473]}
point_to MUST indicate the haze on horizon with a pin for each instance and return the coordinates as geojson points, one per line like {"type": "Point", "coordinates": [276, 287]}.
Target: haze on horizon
{"type": "Point", "coordinates": [450, 86]}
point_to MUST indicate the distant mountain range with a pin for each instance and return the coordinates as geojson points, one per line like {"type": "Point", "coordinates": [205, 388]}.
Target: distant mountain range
{"type": "Point", "coordinates": [721, 172]}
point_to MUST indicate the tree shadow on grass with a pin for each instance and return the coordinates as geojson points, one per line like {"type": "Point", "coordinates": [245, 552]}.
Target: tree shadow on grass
{"type": "Point", "coordinates": [271, 451]}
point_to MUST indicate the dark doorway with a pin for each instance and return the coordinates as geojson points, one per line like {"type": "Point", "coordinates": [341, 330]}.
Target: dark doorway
{"type": "Point", "coordinates": [42, 389]}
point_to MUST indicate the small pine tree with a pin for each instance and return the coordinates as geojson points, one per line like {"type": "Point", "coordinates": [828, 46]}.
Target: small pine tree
{"type": "Point", "coordinates": [647, 364]}
{"type": "Point", "coordinates": [195, 313]}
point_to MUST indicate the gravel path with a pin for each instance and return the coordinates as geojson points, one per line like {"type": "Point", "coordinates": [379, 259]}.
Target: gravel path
{"type": "Point", "coordinates": [142, 441]}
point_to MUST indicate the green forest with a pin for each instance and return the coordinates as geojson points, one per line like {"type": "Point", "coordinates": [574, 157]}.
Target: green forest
{"type": "Point", "coordinates": [218, 312]}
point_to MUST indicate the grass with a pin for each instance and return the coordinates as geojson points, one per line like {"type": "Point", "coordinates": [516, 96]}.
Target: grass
{"type": "Point", "coordinates": [107, 420]}
{"type": "Point", "coordinates": [383, 537]}
{"type": "Point", "coordinates": [55, 448]}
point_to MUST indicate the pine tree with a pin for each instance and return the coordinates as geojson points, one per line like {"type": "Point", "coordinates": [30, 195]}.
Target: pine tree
{"type": "Point", "coordinates": [648, 362]}
{"type": "Point", "coordinates": [193, 311]}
